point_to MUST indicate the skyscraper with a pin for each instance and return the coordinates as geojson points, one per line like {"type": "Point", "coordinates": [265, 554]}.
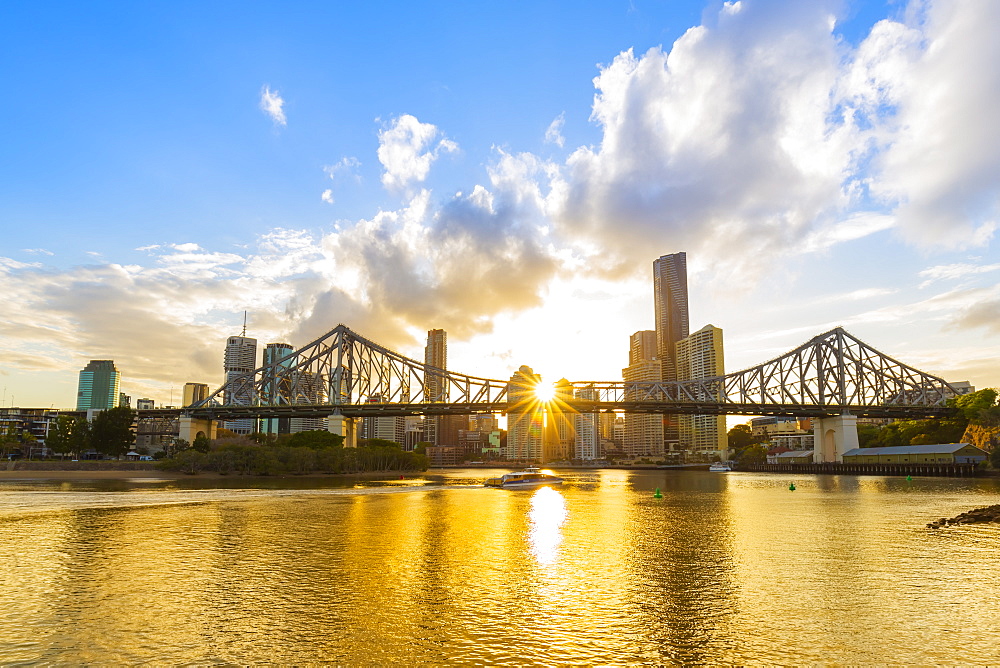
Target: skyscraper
{"type": "Point", "coordinates": [277, 385]}
{"type": "Point", "coordinates": [525, 419]}
{"type": "Point", "coordinates": [435, 355]}
{"type": "Point", "coordinates": [701, 356]}
{"type": "Point", "coordinates": [644, 433]}
{"type": "Point", "coordinates": [98, 387]}
{"type": "Point", "coordinates": [240, 359]}
{"type": "Point", "coordinates": [670, 299]}
{"type": "Point", "coordinates": [193, 393]}
{"type": "Point", "coordinates": [587, 445]}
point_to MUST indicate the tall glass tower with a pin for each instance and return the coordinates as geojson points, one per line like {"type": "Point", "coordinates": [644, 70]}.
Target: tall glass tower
{"type": "Point", "coordinates": [670, 297]}
{"type": "Point", "coordinates": [435, 355]}
{"type": "Point", "coordinates": [99, 386]}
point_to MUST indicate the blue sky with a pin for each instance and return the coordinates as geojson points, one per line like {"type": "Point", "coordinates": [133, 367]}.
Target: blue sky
{"type": "Point", "coordinates": [507, 172]}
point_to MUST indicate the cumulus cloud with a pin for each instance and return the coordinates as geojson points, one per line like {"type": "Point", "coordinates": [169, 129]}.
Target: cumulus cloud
{"type": "Point", "coordinates": [407, 149]}
{"type": "Point", "coordinates": [930, 88]}
{"type": "Point", "coordinates": [724, 145]}
{"type": "Point", "coordinates": [272, 105]}
{"type": "Point", "coordinates": [553, 134]}
{"type": "Point", "coordinates": [327, 196]}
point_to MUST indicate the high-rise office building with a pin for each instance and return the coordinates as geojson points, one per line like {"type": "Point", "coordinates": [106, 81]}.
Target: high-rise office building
{"type": "Point", "coordinates": [240, 359]}
{"type": "Point", "coordinates": [670, 301]}
{"type": "Point", "coordinates": [525, 419]}
{"type": "Point", "coordinates": [194, 392]}
{"type": "Point", "coordinates": [436, 356]}
{"type": "Point", "coordinates": [560, 426]}
{"type": "Point", "coordinates": [99, 386]}
{"type": "Point", "coordinates": [701, 356]}
{"type": "Point", "coordinates": [644, 433]}
{"type": "Point", "coordinates": [145, 404]}
{"type": "Point", "coordinates": [385, 427]}
{"type": "Point", "coordinates": [277, 383]}
{"type": "Point", "coordinates": [587, 443]}
{"type": "Point", "coordinates": [642, 346]}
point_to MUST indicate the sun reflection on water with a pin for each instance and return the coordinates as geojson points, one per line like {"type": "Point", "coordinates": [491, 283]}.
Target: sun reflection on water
{"type": "Point", "coordinates": [547, 516]}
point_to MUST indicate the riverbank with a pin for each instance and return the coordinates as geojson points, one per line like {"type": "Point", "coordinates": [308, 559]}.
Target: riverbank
{"type": "Point", "coordinates": [151, 473]}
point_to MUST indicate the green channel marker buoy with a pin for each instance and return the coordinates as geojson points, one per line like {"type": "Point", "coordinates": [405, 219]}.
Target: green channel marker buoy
{"type": "Point", "coordinates": [909, 477]}
{"type": "Point", "coordinates": [791, 488]}
{"type": "Point", "coordinates": [657, 495]}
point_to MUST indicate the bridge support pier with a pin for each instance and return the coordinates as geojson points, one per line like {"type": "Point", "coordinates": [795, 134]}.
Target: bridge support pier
{"type": "Point", "coordinates": [833, 436]}
{"type": "Point", "coordinates": [189, 428]}
{"type": "Point", "coordinates": [343, 426]}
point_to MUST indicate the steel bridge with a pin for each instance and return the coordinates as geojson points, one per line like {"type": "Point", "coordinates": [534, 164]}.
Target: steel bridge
{"type": "Point", "coordinates": [343, 373]}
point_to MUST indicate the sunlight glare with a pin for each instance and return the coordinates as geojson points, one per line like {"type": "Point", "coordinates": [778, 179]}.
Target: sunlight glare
{"type": "Point", "coordinates": [545, 393]}
{"type": "Point", "coordinates": [548, 514]}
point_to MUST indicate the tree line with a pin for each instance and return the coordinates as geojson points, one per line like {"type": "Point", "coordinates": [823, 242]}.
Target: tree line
{"type": "Point", "coordinates": [109, 433]}
{"type": "Point", "coordinates": [298, 454]}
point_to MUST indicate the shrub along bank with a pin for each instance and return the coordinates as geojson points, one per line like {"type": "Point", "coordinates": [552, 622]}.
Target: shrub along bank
{"type": "Point", "coordinates": [248, 458]}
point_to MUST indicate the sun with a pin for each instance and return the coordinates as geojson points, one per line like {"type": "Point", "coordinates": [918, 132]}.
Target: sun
{"type": "Point", "coordinates": [544, 393]}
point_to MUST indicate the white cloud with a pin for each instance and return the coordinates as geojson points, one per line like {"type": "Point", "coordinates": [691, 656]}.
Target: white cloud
{"type": "Point", "coordinates": [327, 196]}
{"type": "Point", "coordinates": [36, 251]}
{"type": "Point", "coordinates": [553, 134]}
{"type": "Point", "coordinates": [931, 90]}
{"type": "Point", "coordinates": [955, 271]}
{"type": "Point", "coordinates": [407, 150]}
{"type": "Point", "coordinates": [272, 105]}
{"type": "Point", "coordinates": [346, 165]}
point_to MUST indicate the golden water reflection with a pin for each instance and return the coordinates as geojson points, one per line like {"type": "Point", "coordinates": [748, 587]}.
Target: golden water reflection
{"type": "Point", "coordinates": [547, 515]}
{"type": "Point", "coordinates": [722, 569]}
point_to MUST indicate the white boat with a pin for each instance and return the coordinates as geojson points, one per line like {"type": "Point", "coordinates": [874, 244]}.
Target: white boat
{"type": "Point", "coordinates": [530, 477]}
{"type": "Point", "coordinates": [720, 467]}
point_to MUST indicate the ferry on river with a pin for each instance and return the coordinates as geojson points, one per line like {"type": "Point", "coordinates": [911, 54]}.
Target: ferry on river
{"type": "Point", "coordinates": [720, 467]}
{"type": "Point", "coordinates": [530, 477]}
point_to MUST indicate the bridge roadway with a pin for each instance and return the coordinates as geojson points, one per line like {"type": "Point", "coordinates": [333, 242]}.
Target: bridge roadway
{"type": "Point", "coordinates": [571, 406]}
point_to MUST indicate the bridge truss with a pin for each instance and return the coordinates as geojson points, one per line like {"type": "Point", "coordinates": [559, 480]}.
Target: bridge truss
{"type": "Point", "coordinates": [344, 373]}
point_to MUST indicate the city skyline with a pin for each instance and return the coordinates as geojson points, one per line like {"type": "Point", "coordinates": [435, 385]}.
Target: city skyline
{"type": "Point", "coordinates": [515, 202]}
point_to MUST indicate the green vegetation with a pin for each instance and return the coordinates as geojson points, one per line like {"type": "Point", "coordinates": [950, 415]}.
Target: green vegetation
{"type": "Point", "coordinates": [111, 431]}
{"type": "Point", "coordinates": [302, 453]}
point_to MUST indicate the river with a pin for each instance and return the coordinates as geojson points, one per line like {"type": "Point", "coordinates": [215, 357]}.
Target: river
{"type": "Point", "coordinates": [724, 568]}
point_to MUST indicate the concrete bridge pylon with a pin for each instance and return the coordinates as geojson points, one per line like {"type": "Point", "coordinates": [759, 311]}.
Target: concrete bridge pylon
{"type": "Point", "coordinates": [343, 426]}
{"type": "Point", "coordinates": [189, 428]}
{"type": "Point", "coordinates": [833, 436]}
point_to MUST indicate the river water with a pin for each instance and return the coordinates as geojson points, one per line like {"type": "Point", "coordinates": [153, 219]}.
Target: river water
{"type": "Point", "coordinates": [724, 568]}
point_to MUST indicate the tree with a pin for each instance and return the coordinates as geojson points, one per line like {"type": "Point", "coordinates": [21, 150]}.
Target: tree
{"type": "Point", "coordinates": [202, 443]}
{"type": "Point", "coordinates": [753, 454]}
{"type": "Point", "coordinates": [421, 447]}
{"type": "Point", "coordinates": [316, 439]}
{"type": "Point", "coordinates": [81, 435]}
{"type": "Point", "coordinates": [741, 436]}
{"type": "Point", "coordinates": [378, 443]}
{"type": "Point", "coordinates": [60, 437]}
{"type": "Point", "coordinates": [976, 406]}
{"type": "Point", "coordinates": [112, 431]}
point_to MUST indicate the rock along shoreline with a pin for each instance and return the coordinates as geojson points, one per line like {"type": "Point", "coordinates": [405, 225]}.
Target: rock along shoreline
{"type": "Point", "coordinates": [977, 516]}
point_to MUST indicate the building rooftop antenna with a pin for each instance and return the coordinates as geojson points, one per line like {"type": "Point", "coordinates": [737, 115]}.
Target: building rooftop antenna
{"type": "Point", "coordinates": [244, 324]}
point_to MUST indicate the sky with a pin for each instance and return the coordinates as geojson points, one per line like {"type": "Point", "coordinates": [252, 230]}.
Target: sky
{"type": "Point", "coordinates": [505, 171]}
